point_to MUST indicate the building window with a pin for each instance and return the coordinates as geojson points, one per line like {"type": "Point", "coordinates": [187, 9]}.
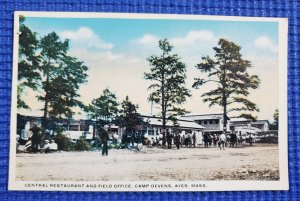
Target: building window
{"type": "Point", "coordinates": [217, 121]}
{"type": "Point", "coordinates": [205, 122]}
{"type": "Point", "coordinates": [73, 127]}
{"type": "Point", "coordinates": [83, 128]}
{"type": "Point", "coordinates": [210, 121]}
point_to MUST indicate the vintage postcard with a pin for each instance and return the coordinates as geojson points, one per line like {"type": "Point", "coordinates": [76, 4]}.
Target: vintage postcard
{"type": "Point", "coordinates": [148, 102]}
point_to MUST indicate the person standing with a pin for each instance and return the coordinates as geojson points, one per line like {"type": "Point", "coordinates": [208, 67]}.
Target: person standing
{"type": "Point", "coordinates": [186, 140]}
{"type": "Point", "coordinates": [35, 138]}
{"type": "Point", "coordinates": [250, 140]}
{"type": "Point", "coordinates": [190, 140]}
{"type": "Point", "coordinates": [177, 140]}
{"type": "Point", "coordinates": [163, 131]}
{"type": "Point", "coordinates": [206, 140]}
{"type": "Point", "coordinates": [222, 141]}
{"type": "Point", "coordinates": [181, 138]}
{"type": "Point", "coordinates": [169, 140]}
{"type": "Point", "coordinates": [194, 139]}
{"type": "Point", "coordinates": [104, 138]}
{"type": "Point", "coordinates": [215, 140]}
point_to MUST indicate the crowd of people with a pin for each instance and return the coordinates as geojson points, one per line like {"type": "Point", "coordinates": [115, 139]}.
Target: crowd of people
{"type": "Point", "coordinates": [220, 140]}
{"type": "Point", "coordinates": [33, 145]}
{"type": "Point", "coordinates": [178, 139]}
{"type": "Point", "coordinates": [189, 140]}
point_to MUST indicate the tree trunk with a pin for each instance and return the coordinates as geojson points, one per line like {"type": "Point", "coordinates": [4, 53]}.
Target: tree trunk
{"type": "Point", "coordinates": [224, 102]}
{"type": "Point", "coordinates": [163, 109]}
{"type": "Point", "coordinates": [225, 116]}
{"type": "Point", "coordinates": [224, 111]}
{"type": "Point", "coordinates": [94, 133]}
{"type": "Point", "coordinates": [45, 116]}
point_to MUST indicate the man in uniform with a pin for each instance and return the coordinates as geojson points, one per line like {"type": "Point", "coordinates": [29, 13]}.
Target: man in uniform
{"type": "Point", "coordinates": [104, 138]}
{"type": "Point", "coordinates": [35, 138]}
{"type": "Point", "coordinates": [177, 140]}
{"type": "Point", "coordinates": [194, 139]}
{"type": "Point", "coordinates": [169, 140]}
{"type": "Point", "coordinates": [250, 140]}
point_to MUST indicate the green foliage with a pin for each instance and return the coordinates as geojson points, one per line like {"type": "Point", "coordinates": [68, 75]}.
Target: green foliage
{"type": "Point", "coordinates": [275, 124]}
{"type": "Point", "coordinates": [46, 67]}
{"type": "Point", "coordinates": [276, 116]}
{"type": "Point", "coordinates": [96, 144]}
{"type": "Point", "coordinates": [103, 109]}
{"type": "Point", "coordinates": [63, 142]}
{"type": "Point", "coordinates": [117, 146]}
{"type": "Point", "coordinates": [62, 76]}
{"type": "Point", "coordinates": [129, 117]}
{"type": "Point", "coordinates": [28, 64]}
{"type": "Point", "coordinates": [168, 75]}
{"type": "Point", "coordinates": [63, 89]}
{"type": "Point", "coordinates": [82, 145]}
{"type": "Point", "coordinates": [229, 71]}
{"type": "Point", "coordinates": [60, 130]}
{"type": "Point", "coordinates": [20, 102]}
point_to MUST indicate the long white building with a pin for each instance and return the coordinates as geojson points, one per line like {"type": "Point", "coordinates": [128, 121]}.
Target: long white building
{"type": "Point", "coordinates": [154, 127]}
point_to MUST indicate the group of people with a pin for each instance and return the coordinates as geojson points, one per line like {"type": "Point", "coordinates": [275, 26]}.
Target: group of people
{"type": "Point", "coordinates": [33, 145]}
{"type": "Point", "coordinates": [221, 140]}
{"type": "Point", "coordinates": [178, 139]}
{"type": "Point", "coordinates": [50, 147]}
{"type": "Point", "coordinates": [130, 139]}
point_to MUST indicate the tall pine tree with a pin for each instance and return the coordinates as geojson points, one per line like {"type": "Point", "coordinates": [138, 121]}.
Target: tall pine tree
{"type": "Point", "coordinates": [45, 66]}
{"type": "Point", "coordinates": [52, 51]}
{"type": "Point", "coordinates": [28, 62]}
{"type": "Point", "coordinates": [61, 75]}
{"type": "Point", "coordinates": [230, 73]}
{"type": "Point", "coordinates": [168, 90]}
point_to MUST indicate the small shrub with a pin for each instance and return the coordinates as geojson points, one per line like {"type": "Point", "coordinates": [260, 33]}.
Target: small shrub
{"type": "Point", "coordinates": [82, 145]}
{"type": "Point", "coordinates": [96, 144]}
{"type": "Point", "coordinates": [63, 142]}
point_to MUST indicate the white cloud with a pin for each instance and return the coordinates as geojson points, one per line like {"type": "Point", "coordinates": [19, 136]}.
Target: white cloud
{"type": "Point", "coordinates": [264, 42]}
{"type": "Point", "coordinates": [148, 39]}
{"type": "Point", "coordinates": [190, 47]}
{"type": "Point", "coordinates": [191, 38]}
{"type": "Point", "coordinates": [194, 37]}
{"type": "Point", "coordinates": [194, 45]}
{"type": "Point", "coordinates": [86, 37]}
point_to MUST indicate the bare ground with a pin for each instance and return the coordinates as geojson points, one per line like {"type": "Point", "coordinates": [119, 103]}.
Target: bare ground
{"type": "Point", "coordinates": [259, 162]}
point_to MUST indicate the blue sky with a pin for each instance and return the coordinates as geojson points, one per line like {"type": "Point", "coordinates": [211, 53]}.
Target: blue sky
{"type": "Point", "coordinates": [110, 29]}
{"type": "Point", "coordinates": [115, 50]}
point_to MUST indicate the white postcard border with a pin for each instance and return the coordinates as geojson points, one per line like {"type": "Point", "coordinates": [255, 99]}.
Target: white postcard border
{"type": "Point", "coordinates": [248, 185]}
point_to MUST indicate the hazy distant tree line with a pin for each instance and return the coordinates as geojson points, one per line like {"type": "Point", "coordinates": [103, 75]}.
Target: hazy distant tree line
{"type": "Point", "coordinates": [46, 67]}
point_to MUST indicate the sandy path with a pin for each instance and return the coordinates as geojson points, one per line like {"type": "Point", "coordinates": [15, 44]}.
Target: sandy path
{"type": "Point", "coordinates": [259, 162]}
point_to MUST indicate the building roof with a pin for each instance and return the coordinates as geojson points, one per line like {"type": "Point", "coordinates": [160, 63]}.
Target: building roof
{"type": "Point", "coordinates": [249, 129]}
{"type": "Point", "coordinates": [194, 117]}
{"type": "Point", "coordinates": [181, 123]}
{"type": "Point", "coordinates": [257, 122]}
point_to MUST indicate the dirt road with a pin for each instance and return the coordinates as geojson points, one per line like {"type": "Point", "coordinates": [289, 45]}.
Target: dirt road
{"type": "Point", "coordinates": [259, 162]}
